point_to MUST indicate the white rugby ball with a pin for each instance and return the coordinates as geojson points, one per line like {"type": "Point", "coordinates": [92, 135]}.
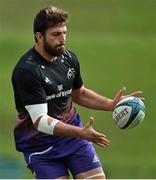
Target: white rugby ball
{"type": "Point", "coordinates": [129, 112]}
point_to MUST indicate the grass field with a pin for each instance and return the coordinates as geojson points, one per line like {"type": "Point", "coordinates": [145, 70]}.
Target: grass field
{"type": "Point", "coordinates": [115, 41]}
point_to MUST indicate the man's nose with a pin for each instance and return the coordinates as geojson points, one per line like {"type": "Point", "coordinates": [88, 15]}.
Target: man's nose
{"type": "Point", "coordinates": [63, 38]}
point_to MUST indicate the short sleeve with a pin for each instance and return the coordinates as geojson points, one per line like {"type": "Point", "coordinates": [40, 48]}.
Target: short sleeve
{"type": "Point", "coordinates": [78, 82]}
{"type": "Point", "coordinates": [27, 87]}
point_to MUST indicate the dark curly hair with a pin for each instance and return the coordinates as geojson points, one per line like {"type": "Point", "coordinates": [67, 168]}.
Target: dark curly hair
{"type": "Point", "coordinates": [49, 17]}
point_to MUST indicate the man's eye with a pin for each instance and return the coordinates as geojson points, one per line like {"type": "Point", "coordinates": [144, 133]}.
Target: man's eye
{"type": "Point", "coordinates": [56, 34]}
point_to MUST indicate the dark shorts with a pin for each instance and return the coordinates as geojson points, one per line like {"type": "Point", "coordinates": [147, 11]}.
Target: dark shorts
{"type": "Point", "coordinates": [49, 164]}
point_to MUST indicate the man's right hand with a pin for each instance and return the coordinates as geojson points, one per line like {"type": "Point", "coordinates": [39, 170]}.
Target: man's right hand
{"type": "Point", "coordinates": [89, 133]}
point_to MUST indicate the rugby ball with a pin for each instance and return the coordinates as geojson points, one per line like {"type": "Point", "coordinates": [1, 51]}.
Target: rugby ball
{"type": "Point", "coordinates": [129, 112]}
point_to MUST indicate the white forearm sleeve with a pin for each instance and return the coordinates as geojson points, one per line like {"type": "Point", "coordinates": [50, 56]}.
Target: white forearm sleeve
{"type": "Point", "coordinates": [37, 111]}
{"type": "Point", "coordinates": [43, 125]}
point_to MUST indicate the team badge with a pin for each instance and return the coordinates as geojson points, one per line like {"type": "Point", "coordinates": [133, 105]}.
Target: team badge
{"type": "Point", "coordinates": [70, 73]}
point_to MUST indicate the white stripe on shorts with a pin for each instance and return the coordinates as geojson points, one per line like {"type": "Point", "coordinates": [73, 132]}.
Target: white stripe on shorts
{"type": "Point", "coordinates": [39, 153]}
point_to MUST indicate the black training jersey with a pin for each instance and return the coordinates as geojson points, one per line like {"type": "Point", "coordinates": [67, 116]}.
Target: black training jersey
{"type": "Point", "coordinates": [36, 81]}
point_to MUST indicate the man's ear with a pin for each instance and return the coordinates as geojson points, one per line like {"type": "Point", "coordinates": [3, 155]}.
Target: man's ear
{"type": "Point", "coordinates": [39, 37]}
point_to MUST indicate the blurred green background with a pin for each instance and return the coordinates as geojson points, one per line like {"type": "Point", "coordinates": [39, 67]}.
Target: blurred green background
{"type": "Point", "coordinates": [115, 41]}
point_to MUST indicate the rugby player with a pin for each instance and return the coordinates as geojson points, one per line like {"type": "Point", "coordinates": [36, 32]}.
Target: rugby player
{"type": "Point", "coordinates": [47, 82]}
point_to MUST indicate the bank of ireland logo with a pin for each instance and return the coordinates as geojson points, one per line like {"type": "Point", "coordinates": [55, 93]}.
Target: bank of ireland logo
{"type": "Point", "coordinates": [70, 73]}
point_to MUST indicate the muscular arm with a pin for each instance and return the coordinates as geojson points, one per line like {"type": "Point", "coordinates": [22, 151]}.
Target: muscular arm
{"type": "Point", "coordinates": [52, 126]}
{"type": "Point", "coordinates": [88, 98]}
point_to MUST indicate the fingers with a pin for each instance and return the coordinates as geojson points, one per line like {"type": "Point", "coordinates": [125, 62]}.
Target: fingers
{"type": "Point", "coordinates": [137, 93]}
{"type": "Point", "coordinates": [142, 98]}
{"type": "Point", "coordinates": [103, 142]}
{"type": "Point", "coordinates": [120, 94]}
{"type": "Point", "coordinates": [90, 122]}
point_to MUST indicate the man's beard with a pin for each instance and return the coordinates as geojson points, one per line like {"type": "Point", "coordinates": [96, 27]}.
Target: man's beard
{"type": "Point", "coordinates": [53, 51]}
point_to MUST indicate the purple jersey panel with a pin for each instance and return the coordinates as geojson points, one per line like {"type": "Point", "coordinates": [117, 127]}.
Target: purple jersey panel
{"type": "Point", "coordinates": [28, 139]}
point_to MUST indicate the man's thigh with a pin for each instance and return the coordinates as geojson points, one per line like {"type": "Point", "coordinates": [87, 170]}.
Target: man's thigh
{"type": "Point", "coordinates": [84, 162]}
{"type": "Point", "coordinates": [49, 170]}
{"type": "Point", "coordinates": [45, 167]}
